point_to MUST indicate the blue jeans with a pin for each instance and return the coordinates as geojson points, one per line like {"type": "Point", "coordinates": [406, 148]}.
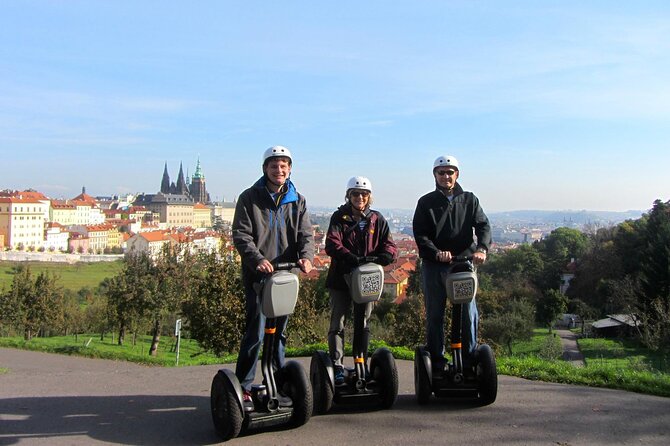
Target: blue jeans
{"type": "Point", "coordinates": [253, 340]}
{"type": "Point", "coordinates": [435, 296]}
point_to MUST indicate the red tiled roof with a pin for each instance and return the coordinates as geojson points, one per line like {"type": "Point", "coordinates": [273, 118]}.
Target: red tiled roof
{"type": "Point", "coordinates": [19, 200]}
{"type": "Point", "coordinates": [60, 204]}
{"type": "Point", "coordinates": [30, 194]}
{"type": "Point", "coordinates": [85, 198]}
{"type": "Point", "coordinates": [154, 236]}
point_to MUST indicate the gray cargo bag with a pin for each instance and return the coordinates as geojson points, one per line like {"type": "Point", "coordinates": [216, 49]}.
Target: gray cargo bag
{"type": "Point", "coordinates": [279, 294]}
{"type": "Point", "coordinates": [366, 283]}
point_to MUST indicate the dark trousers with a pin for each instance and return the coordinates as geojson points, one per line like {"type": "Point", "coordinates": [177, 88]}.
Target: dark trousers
{"type": "Point", "coordinates": [253, 340]}
{"type": "Point", "coordinates": [435, 295]}
{"type": "Point", "coordinates": [340, 303]}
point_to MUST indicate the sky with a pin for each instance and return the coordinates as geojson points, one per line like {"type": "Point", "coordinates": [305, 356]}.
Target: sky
{"type": "Point", "coordinates": [548, 105]}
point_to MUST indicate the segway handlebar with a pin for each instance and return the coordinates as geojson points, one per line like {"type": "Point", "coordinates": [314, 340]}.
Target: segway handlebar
{"type": "Point", "coordinates": [285, 266]}
{"type": "Point", "coordinates": [461, 258]}
{"type": "Point", "coordinates": [368, 259]}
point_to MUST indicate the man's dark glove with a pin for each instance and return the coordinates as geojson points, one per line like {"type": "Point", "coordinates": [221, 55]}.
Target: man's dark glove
{"type": "Point", "coordinates": [384, 258]}
{"type": "Point", "coordinates": [351, 259]}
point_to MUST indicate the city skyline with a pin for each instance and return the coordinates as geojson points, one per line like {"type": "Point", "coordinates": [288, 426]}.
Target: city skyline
{"type": "Point", "coordinates": [557, 105]}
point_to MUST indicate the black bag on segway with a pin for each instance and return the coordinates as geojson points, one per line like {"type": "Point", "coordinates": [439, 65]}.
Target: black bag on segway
{"type": "Point", "coordinates": [461, 283]}
{"type": "Point", "coordinates": [366, 283]}
{"type": "Point", "coordinates": [279, 294]}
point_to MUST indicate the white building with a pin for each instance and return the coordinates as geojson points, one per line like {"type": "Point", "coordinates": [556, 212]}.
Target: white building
{"type": "Point", "coordinates": [56, 238]}
{"type": "Point", "coordinates": [22, 222]}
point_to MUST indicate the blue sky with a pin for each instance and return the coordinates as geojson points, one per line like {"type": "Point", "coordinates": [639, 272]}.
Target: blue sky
{"type": "Point", "coordinates": [547, 104]}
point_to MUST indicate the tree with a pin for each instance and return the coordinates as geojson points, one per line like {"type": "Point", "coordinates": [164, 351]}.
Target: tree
{"type": "Point", "coordinates": [130, 293]}
{"type": "Point", "coordinates": [562, 245]}
{"type": "Point", "coordinates": [414, 280]}
{"type": "Point", "coordinates": [514, 322]}
{"type": "Point", "coordinates": [302, 323]}
{"type": "Point", "coordinates": [410, 317]}
{"type": "Point", "coordinates": [215, 310]}
{"type": "Point", "coordinates": [655, 262]}
{"type": "Point", "coordinates": [654, 304]}
{"type": "Point", "coordinates": [32, 304]}
{"type": "Point", "coordinates": [552, 304]}
{"type": "Point", "coordinates": [522, 263]}
{"type": "Point", "coordinates": [175, 270]}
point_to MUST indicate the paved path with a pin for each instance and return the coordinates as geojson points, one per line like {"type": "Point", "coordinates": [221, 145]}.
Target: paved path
{"type": "Point", "coordinates": [571, 350]}
{"type": "Point", "coordinates": [55, 400]}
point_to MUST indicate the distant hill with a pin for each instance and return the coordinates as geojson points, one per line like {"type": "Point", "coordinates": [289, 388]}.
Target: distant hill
{"type": "Point", "coordinates": [401, 219]}
{"type": "Point", "coordinates": [582, 217]}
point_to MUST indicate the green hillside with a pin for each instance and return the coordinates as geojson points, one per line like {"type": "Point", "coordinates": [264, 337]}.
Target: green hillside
{"type": "Point", "coordinates": [71, 276]}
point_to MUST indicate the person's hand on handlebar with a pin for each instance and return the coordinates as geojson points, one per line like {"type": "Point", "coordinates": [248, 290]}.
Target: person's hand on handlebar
{"type": "Point", "coordinates": [305, 265]}
{"type": "Point", "coordinates": [479, 257]}
{"type": "Point", "coordinates": [443, 256]}
{"type": "Point", "coordinates": [265, 267]}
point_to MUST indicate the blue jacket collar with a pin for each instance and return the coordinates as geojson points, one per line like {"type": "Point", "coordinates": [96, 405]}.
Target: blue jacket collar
{"type": "Point", "coordinates": [290, 196]}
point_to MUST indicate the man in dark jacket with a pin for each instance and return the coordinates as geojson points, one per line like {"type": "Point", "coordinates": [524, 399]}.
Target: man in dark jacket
{"type": "Point", "coordinates": [444, 222]}
{"type": "Point", "coordinates": [271, 225]}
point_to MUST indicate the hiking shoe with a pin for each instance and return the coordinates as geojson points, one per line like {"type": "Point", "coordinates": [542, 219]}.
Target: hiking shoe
{"type": "Point", "coordinates": [339, 376]}
{"type": "Point", "coordinates": [248, 401]}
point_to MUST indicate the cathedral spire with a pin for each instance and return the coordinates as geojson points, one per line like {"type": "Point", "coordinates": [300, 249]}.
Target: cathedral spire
{"type": "Point", "coordinates": [165, 183]}
{"type": "Point", "coordinates": [181, 184]}
{"type": "Point", "coordinates": [198, 171]}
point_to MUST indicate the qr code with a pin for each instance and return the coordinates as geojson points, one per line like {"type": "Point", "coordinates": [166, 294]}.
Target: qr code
{"type": "Point", "coordinates": [464, 289]}
{"type": "Point", "coordinates": [371, 284]}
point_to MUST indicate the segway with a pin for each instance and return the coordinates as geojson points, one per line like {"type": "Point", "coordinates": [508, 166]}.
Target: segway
{"type": "Point", "coordinates": [285, 396]}
{"type": "Point", "coordinates": [380, 385]}
{"type": "Point", "coordinates": [479, 382]}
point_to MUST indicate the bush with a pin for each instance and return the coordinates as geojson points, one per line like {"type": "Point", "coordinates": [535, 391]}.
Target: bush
{"type": "Point", "coordinates": [551, 348]}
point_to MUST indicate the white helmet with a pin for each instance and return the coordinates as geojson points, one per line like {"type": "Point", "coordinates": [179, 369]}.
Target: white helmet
{"type": "Point", "coordinates": [277, 151]}
{"type": "Point", "coordinates": [446, 161]}
{"type": "Point", "coordinates": [359, 183]}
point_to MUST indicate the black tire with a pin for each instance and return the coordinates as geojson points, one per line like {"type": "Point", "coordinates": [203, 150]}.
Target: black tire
{"type": "Point", "coordinates": [487, 375]}
{"type": "Point", "coordinates": [422, 388]}
{"type": "Point", "coordinates": [321, 387]}
{"type": "Point", "coordinates": [226, 411]}
{"type": "Point", "coordinates": [296, 386]}
{"type": "Point", "coordinates": [385, 373]}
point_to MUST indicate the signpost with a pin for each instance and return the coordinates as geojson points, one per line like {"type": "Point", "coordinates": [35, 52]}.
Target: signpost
{"type": "Point", "coordinates": [177, 333]}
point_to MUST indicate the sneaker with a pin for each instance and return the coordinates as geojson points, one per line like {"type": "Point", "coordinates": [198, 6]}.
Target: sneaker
{"type": "Point", "coordinates": [339, 376]}
{"type": "Point", "coordinates": [247, 400]}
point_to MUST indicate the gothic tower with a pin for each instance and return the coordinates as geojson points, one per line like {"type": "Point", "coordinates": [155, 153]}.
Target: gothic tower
{"type": "Point", "coordinates": [198, 190]}
{"type": "Point", "coordinates": [181, 184]}
{"type": "Point", "coordinates": [165, 183]}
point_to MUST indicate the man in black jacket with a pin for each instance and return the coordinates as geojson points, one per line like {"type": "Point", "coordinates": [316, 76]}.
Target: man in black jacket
{"type": "Point", "coordinates": [444, 222]}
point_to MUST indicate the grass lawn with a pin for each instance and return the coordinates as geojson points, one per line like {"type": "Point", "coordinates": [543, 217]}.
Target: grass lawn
{"type": "Point", "coordinates": [71, 276]}
{"type": "Point", "coordinates": [90, 345]}
{"type": "Point", "coordinates": [622, 353]}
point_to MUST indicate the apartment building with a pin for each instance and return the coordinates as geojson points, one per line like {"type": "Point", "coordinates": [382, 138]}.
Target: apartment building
{"type": "Point", "coordinates": [22, 221]}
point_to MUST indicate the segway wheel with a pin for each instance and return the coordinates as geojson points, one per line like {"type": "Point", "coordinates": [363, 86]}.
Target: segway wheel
{"type": "Point", "coordinates": [385, 373]}
{"type": "Point", "coordinates": [321, 386]}
{"type": "Point", "coordinates": [296, 386]}
{"type": "Point", "coordinates": [422, 388]}
{"type": "Point", "coordinates": [487, 375]}
{"type": "Point", "coordinates": [226, 411]}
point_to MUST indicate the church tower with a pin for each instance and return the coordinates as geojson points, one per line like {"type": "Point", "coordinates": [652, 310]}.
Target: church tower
{"type": "Point", "coordinates": [198, 190]}
{"type": "Point", "coordinates": [165, 183]}
{"type": "Point", "coordinates": [181, 184]}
